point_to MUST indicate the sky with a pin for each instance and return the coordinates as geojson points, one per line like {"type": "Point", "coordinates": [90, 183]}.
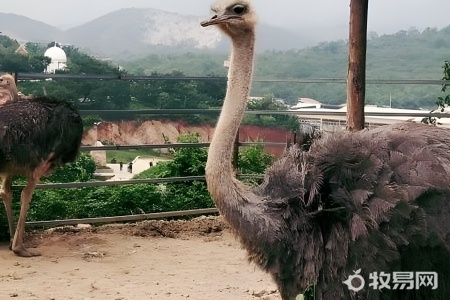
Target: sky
{"type": "Point", "coordinates": [328, 19]}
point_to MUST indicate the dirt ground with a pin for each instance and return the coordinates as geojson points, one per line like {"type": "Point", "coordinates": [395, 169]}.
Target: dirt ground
{"type": "Point", "coordinates": [197, 259]}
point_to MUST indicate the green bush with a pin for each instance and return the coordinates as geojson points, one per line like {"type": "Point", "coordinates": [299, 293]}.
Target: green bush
{"type": "Point", "coordinates": [81, 170]}
{"type": "Point", "coordinates": [254, 160]}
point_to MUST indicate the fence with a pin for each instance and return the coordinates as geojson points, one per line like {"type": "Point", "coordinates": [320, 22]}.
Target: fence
{"type": "Point", "coordinates": [311, 117]}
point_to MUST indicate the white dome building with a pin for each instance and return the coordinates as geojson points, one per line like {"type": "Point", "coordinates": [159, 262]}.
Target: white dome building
{"type": "Point", "coordinates": [58, 59]}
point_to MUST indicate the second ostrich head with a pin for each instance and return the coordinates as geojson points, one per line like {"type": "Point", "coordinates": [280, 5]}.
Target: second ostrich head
{"type": "Point", "coordinates": [8, 89]}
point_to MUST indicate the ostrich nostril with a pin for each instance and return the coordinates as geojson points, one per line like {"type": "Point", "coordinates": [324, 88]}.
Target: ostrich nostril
{"type": "Point", "coordinates": [214, 17]}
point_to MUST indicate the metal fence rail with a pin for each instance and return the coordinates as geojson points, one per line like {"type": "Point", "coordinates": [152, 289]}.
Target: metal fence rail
{"type": "Point", "coordinates": [261, 112]}
{"type": "Point", "coordinates": [127, 218]}
{"type": "Point", "coordinates": [38, 76]}
{"type": "Point", "coordinates": [88, 184]}
{"type": "Point", "coordinates": [173, 145]}
{"type": "Point", "coordinates": [139, 217]}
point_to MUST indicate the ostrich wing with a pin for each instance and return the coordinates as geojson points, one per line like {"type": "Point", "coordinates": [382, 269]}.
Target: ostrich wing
{"type": "Point", "coordinates": [31, 130]}
{"type": "Point", "coordinates": [359, 200]}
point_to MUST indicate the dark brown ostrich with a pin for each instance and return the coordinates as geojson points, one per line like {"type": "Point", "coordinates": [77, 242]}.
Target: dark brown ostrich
{"type": "Point", "coordinates": [376, 200]}
{"type": "Point", "coordinates": [35, 136]}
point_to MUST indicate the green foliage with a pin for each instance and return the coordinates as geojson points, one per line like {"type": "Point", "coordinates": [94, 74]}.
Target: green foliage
{"type": "Point", "coordinates": [122, 200]}
{"type": "Point", "coordinates": [81, 63]}
{"type": "Point", "coordinates": [254, 160]}
{"type": "Point", "coordinates": [443, 101]}
{"type": "Point", "coordinates": [268, 102]}
{"type": "Point", "coordinates": [95, 202]}
{"type": "Point", "coordinates": [160, 170]}
{"type": "Point", "coordinates": [81, 170]}
{"type": "Point", "coordinates": [404, 55]}
{"type": "Point", "coordinates": [90, 121]}
{"type": "Point", "coordinates": [192, 162]}
{"type": "Point", "coordinates": [186, 162]}
{"type": "Point", "coordinates": [13, 62]}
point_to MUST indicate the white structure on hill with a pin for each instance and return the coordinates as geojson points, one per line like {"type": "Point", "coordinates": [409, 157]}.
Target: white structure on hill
{"type": "Point", "coordinates": [58, 59]}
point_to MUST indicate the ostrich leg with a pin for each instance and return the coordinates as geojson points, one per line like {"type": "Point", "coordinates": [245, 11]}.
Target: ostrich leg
{"type": "Point", "coordinates": [42, 169]}
{"type": "Point", "coordinates": [6, 193]}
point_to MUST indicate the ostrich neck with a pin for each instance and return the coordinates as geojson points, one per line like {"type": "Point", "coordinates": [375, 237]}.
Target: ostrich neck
{"type": "Point", "coordinates": [219, 171]}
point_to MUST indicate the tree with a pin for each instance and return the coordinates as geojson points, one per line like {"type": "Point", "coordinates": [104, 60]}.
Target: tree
{"type": "Point", "coordinates": [81, 170]}
{"type": "Point", "coordinates": [443, 101]}
{"type": "Point", "coordinates": [12, 62]}
{"type": "Point", "coordinates": [268, 102]}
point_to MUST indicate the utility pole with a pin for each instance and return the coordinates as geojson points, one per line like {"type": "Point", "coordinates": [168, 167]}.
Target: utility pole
{"type": "Point", "coordinates": [356, 76]}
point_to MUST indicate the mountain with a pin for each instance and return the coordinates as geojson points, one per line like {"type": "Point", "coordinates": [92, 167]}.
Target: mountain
{"type": "Point", "coordinates": [132, 32]}
{"type": "Point", "coordinates": [25, 29]}
{"type": "Point", "coordinates": [138, 31]}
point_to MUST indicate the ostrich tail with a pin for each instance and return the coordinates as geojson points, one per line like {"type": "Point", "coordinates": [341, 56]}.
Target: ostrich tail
{"type": "Point", "coordinates": [64, 119]}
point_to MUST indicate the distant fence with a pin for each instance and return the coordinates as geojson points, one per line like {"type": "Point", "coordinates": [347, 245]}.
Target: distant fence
{"type": "Point", "coordinates": [38, 76]}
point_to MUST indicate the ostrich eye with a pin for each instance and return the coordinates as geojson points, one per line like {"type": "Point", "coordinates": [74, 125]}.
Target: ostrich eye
{"type": "Point", "coordinates": [239, 9]}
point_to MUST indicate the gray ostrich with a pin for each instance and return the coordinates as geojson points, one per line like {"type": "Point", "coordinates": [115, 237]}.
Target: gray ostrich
{"type": "Point", "coordinates": [355, 203]}
{"type": "Point", "coordinates": [35, 136]}
{"type": "Point", "coordinates": [8, 89]}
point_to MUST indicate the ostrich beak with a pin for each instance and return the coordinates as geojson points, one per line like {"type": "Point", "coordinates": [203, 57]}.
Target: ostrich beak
{"type": "Point", "coordinates": [219, 20]}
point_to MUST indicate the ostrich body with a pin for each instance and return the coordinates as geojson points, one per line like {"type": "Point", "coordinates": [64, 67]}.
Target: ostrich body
{"type": "Point", "coordinates": [35, 137]}
{"type": "Point", "coordinates": [8, 89]}
{"type": "Point", "coordinates": [374, 200]}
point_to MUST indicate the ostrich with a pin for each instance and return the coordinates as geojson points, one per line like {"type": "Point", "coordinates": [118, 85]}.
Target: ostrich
{"type": "Point", "coordinates": [35, 136]}
{"type": "Point", "coordinates": [8, 89]}
{"type": "Point", "coordinates": [355, 203]}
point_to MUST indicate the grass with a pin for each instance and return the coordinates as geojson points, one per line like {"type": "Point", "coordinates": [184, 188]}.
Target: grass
{"type": "Point", "coordinates": [129, 155]}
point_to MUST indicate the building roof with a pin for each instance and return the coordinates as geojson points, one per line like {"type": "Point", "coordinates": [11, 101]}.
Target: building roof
{"type": "Point", "coordinates": [22, 50]}
{"type": "Point", "coordinates": [384, 119]}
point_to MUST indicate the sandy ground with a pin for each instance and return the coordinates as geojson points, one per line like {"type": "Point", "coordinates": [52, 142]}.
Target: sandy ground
{"type": "Point", "coordinates": [197, 259]}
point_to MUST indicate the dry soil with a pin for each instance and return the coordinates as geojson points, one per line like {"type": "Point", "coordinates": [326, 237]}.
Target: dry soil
{"type": "Point", "coordinates": [197, 259]}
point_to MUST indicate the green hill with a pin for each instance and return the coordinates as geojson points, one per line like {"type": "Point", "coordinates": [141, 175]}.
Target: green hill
{"type": "Point", "coordinates": [405, 55]}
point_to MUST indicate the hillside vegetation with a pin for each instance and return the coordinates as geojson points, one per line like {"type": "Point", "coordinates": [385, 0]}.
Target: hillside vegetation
{"type": "Point", "coordinates": [405, 55]}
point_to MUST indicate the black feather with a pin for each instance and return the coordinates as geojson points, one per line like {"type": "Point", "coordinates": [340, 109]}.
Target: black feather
{"type": "Point", "coordinates": [32, 129]}
{"type": "Point", "coordinates": [378, 200]}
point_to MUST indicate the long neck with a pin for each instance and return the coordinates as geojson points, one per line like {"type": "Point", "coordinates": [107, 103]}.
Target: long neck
{"type": "Point", "coordinates": [219, 171]}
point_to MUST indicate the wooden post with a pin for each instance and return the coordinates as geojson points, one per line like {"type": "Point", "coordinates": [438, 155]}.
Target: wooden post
{"type": "Point", "coordinates": [16, 77]}
{"type": "Point", "coordinates": [356, 76]}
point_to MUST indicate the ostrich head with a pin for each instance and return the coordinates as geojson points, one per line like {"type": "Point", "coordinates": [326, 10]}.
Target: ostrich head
{"type": "Point", "coordinates": [233, 17]}
{"type": "Point", "coordinates": [6, 81]}
{"type": "Point", "coordinates": [8, 89]}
